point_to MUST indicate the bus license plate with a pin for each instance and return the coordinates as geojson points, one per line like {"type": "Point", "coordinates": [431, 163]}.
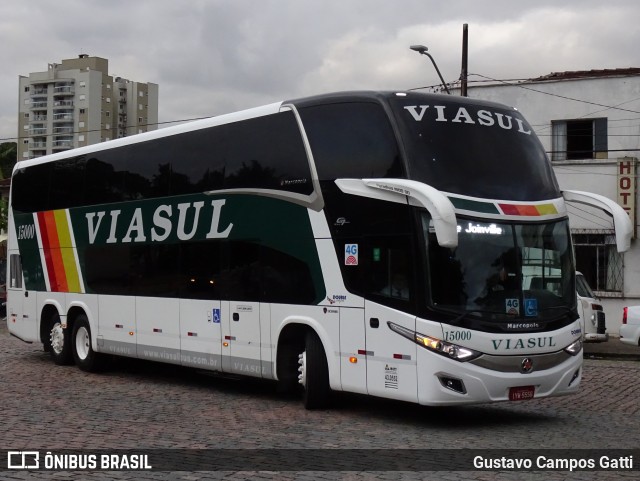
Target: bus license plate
{"type": "Point", "coordinates": [521, 393]}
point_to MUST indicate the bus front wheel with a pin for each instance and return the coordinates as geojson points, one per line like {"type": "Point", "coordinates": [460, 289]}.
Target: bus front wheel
{"type": "Point", "coordinates": [60, 342]}
{"type": "Point", "coordinates": [83, 354]}
{"type": "Point", "coordinates": [314, 373]}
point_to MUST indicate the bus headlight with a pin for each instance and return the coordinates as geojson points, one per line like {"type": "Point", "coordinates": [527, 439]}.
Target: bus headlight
{"type": "Point", "coordinates": [574, 348]}
{"type": "Point", "coordinates": [433, 344]}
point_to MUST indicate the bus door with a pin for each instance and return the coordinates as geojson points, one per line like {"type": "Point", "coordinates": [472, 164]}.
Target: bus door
{"type": "Point", "coordinates": [22, 318]}
{"type": "Point", "coordinates": [201, 334]}
{"type": "Point", "coordinates": [391, 358]}
{"type": "Point", "coordinates": [241, 338]}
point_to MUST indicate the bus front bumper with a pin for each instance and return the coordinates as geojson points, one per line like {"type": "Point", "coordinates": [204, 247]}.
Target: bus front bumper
{"type": "Point", "coordinates": [443, 381]}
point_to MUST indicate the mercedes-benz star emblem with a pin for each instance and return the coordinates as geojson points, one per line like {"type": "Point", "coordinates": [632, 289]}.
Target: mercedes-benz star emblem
{"type": "Point", "coordinates": [527, 365]}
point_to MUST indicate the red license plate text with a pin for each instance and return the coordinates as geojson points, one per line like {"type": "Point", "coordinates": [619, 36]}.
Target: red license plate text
{"type": "Point", "coordinates": [521, 393]}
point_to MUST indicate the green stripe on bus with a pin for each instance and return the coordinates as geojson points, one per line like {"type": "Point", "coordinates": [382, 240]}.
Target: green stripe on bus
{"type": "Point", "coordinates": [474, 205]}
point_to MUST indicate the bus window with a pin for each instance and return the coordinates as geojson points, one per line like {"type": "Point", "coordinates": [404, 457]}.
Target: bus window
{"type": "Point", "coordinates": [386, 274]}
{"type": "Point", "coordinates": [351, 140]}
{"type": "Point", "coordinates": [30, 188]}
{"type": "Point", "coordinates": [67, 181]}
{"type": "Point", "coordinates": [15, 272]}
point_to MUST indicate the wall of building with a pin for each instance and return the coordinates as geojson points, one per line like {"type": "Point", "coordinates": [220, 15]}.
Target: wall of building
{"type": "Point", "coordinates": [541, 108]}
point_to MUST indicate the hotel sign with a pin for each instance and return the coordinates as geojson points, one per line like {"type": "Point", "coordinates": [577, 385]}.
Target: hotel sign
{"type": "Point", "coordinates": [627, 188]}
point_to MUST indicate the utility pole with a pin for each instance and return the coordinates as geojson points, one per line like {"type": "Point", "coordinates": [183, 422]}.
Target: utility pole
{"type": "Point", "coordinates": [465, 58]}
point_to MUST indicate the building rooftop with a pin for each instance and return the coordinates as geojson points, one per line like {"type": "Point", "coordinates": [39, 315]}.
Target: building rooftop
{"type": "Point", "coordinates": [577, 74]}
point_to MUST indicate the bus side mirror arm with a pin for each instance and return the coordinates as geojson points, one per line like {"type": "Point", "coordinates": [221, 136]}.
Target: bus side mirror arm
{"type": "Point", "coordinates": [621, 221]}
{"type": "Point", "coordinates": [397, 190]}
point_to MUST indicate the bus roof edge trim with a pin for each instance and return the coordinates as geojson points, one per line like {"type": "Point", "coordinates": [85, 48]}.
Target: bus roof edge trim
{"type": "Point", "coordinates": [436, 203]}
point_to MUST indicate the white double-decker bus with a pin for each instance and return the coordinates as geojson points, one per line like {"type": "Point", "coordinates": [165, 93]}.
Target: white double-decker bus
{"type": "Point", "coordinates": [373, 242]}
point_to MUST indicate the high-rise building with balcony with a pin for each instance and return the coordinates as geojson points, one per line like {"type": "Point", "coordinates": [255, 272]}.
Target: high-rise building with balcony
{"type": "Point", "coordinates": [77, 103]}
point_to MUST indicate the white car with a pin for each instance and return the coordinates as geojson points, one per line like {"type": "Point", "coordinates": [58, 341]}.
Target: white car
{"type": "Point", "coordinates": [630, 329]}
{"type": "Point", "coordinates": [591, 312]}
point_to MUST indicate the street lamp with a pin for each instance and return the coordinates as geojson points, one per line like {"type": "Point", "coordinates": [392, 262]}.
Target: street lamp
{"type": "Point", "coordinates": [422, 50]}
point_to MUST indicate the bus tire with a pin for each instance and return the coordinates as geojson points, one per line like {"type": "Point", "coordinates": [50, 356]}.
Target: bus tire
{"type": "Point", "coordinates": [83, 354]}
{"type": "Point", "coordinates": [60, 342]}
{"type": "Point", "coordinates": [314, 373]}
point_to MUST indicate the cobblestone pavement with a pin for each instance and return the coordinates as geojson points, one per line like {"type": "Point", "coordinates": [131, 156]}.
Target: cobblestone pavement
{"type": "Point", "coordinates": [139, 405]}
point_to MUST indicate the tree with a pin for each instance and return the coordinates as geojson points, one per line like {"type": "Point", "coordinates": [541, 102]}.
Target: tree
{"type": "Point", "coordinates": [8, 157]}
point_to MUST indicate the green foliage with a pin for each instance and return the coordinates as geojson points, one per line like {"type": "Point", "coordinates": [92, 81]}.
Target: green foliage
{"type": "Point", "coordinates": [4, 214]}
{"type": "Point", "coordinates": [8, 157]}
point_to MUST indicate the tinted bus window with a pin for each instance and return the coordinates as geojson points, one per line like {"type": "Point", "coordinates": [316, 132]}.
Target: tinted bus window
{"type": "Point", "coordinates": [351, 140]}
{"type": "Point", "coordinates": [474, 149]}
{"type": "Point", "coordinates": [154, 268]}
{"type": "Point", "coordinates": [67, 183]}
{"type": "Point", "coordinates": [267, 153]}
{"type": "Point", "coordinates": [198, 161]}
{"type": "Point", "coordinates": [102, 183]}
{"type": "Point", "coordinates": [200, 270]}
{"type": "Point", "coordinates": [108, 269]}
{"type": "Point", "coordinates": [285, 279]}
{"type": "Point", "coordinates": [261, 153]}
{"type": "Point", "coordinates": [30, 188]}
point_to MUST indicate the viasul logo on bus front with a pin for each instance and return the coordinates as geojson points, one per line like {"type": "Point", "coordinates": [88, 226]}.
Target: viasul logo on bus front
{"type": "Point", "coordinates": [483, 118]}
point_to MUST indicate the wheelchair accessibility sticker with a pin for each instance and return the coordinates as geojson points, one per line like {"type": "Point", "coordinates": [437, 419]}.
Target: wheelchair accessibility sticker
{"type": "Point", "coordinates": [531, 307]}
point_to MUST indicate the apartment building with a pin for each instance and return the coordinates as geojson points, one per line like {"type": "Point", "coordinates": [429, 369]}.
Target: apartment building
{"type": "Point", "coordinates": [589, 123]}
{"type": "Point", "coordinates": [76, 103]}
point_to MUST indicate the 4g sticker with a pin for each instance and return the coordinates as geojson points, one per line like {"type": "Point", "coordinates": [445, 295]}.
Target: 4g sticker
{"type": "Point", "coordinates": [351, 254]}
{"type": "Point", "coordinates": [512, 306]}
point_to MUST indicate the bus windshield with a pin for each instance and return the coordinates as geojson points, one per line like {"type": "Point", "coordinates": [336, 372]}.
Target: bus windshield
{"type": "Point", "coordinates": [502, 271]}
{"type": "Point", "coordinates": [492, 146]}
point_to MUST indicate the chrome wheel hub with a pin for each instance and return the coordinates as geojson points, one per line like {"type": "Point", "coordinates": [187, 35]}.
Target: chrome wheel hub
{"type": "Point", "coordinates": [302, 370]}
{"type": "Point", "coordinates": [57, 338]}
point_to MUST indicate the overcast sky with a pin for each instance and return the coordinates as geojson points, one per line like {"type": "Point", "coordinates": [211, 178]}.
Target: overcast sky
{"type": "Point", "coordinates": [215, 56]}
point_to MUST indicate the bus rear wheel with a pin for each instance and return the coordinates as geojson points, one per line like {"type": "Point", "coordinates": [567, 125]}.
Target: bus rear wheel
{"type": "Point", "coordinates": [314, 373]}
{"type": "Point", "coordinates": [83, 354]}
{"type": "Point", "coordinates": [60, 342]}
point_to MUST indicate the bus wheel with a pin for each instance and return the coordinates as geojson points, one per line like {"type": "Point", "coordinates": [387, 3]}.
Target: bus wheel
{"type": "Point", "coordinates": [83, 354]}
{"type": "Point", "coordinates": [314, 373]}
{"type": "Point", "coordinates": [60, 342]}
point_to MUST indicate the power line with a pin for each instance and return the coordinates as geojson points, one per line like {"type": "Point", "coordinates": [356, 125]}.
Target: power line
{"type": "Point", "coordinates": [583, 172]}
{"type": "Point", "coordinates": [51, 134]}
{"type": "Point", "coordinates": [608, 221]}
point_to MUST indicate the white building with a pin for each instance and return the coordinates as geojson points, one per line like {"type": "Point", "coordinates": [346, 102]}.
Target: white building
{"type": "Point", "coordinates": [589, 123]}
{"type": "Point", "coordinates": [77, 103]}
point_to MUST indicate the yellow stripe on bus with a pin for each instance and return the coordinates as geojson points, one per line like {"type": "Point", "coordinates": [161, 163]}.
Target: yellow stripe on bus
{"type": "Point", "coordinates": [67, 251]}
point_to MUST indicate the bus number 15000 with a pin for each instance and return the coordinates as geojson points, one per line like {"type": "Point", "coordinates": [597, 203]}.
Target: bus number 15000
{"type": "Point", "coordinates": [457, 335]}
{"type": "Point", "coordinates": [26, 231]}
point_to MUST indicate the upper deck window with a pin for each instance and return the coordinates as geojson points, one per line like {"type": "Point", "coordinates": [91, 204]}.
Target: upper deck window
{"type": "Point", "coordinates": [352, 140]}
{"type": "Point", "coordinates": [265, 152]}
